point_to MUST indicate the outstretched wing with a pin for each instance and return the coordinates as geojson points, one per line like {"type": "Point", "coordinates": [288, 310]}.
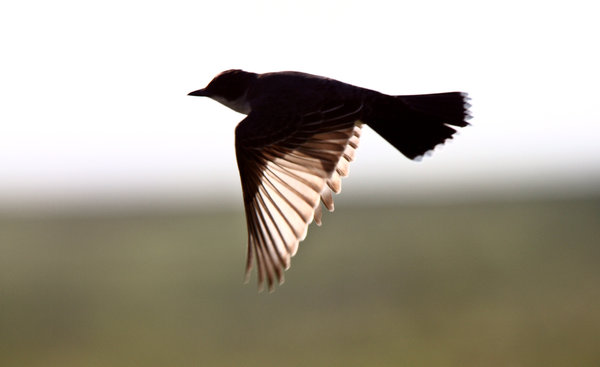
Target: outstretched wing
{"type": "Point", "coordinates": [286, 168]}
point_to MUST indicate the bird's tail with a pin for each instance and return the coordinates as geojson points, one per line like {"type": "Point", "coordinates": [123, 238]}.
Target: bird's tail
{"type": "Point", "coordinates": [416, 124]}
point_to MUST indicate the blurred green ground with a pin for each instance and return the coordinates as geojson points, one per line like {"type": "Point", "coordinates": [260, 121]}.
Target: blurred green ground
{"type": "Point", "coordinates": [479, 284]}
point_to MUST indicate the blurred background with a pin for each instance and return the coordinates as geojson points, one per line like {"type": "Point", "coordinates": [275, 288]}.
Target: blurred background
{"type": "Point", "coordinates": [122, 236]}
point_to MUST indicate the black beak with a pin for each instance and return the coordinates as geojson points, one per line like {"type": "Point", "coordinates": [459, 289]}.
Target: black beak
{"type": "Point", "coordinates": [199, 93]}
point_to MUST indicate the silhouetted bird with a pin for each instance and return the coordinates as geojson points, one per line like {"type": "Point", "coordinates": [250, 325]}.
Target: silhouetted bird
{"type": "Point", "coordinates": [298, 139]}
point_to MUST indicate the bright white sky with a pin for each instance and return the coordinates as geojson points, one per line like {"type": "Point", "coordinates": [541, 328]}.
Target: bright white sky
{"type": "Point", "coordinates": [93, 95]}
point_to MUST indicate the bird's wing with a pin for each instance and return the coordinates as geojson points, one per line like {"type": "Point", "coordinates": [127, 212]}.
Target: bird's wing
{"type": "Point", "coordinates": [285, 173]}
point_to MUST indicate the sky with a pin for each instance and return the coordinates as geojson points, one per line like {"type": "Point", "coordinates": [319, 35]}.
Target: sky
{"type": "Point", "coordinates": [94, 104]}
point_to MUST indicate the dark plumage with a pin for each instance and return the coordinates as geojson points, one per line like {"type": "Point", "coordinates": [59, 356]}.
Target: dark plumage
{"type": "Point", "coordinates": [298, 139]}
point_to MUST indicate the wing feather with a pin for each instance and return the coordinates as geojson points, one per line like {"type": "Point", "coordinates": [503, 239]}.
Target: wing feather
{"type": "Point", "coordinates": [285, 179]}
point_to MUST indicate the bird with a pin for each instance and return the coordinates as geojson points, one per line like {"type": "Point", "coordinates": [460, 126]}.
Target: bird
{"type": "Point", "coordinates": [299, 136]}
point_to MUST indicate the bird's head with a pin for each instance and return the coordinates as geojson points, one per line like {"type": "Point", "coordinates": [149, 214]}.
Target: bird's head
{"type": "Point", "coordinates": [229, 88]}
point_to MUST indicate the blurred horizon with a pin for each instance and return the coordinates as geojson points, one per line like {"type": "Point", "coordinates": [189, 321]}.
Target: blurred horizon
{"type": "Point", "coordinates": [228, 196]}
{"type": "Point", "coordinates": [113, 205]}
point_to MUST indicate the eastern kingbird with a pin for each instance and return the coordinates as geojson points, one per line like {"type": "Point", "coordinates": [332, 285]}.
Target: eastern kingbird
{"type": "Point", "coordinates": [298, 138]}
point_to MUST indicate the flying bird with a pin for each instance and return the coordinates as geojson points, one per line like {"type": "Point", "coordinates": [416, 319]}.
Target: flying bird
{"type": "Point", "coordinates": [297, 140]}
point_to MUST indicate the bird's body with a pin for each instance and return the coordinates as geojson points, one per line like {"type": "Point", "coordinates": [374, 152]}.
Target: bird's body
{"type": "Point", "coordinates": [298, 139]}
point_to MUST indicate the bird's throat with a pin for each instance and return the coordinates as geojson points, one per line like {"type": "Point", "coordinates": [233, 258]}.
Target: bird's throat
{"type": "Point", "coordinates": [240, 105]}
